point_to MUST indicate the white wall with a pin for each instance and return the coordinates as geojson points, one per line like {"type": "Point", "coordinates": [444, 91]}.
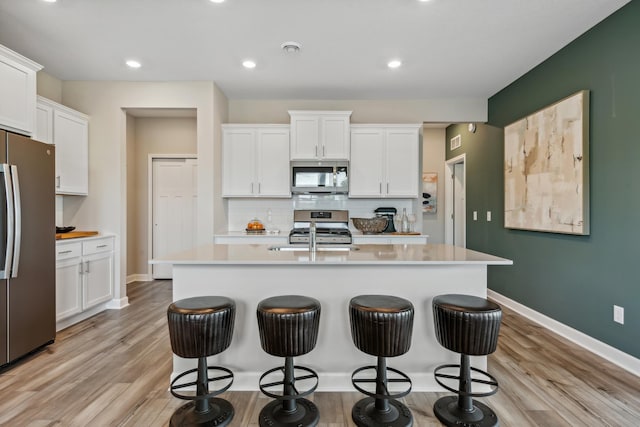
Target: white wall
{"type": "Point", "coordinates": [105, 207]}
{"type": "Point", "coordinates": [364, 111]}
{"type": "Point", "coordinates": [433, 157]}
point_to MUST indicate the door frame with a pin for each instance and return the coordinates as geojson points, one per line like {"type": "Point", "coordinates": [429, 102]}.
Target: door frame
{"type": "Point", "coordinates": [153, 157]}
{"type": "Point", "coordinates": [449, 201]}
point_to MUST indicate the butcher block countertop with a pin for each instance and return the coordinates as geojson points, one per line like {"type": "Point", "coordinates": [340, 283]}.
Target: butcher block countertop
{"type": "Point", "coordinates": [75, 234]}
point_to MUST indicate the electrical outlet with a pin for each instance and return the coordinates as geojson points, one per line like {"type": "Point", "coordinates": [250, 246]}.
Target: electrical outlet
{"type": "Point", "coordinates": [475, 215]}
{"type": "Point", "coordinates": [488, 216]}
{"type": "Point", "coordinates": [618, 314]}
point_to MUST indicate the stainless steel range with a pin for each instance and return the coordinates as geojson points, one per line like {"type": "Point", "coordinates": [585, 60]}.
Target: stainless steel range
{"type": "Point", "coordinates": [332, 226]}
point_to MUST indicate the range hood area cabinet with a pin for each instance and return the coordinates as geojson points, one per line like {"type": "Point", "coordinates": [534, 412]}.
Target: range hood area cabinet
{"type": "Point", "coordinates": [385, 161]}
{"type": "Point", "coordinates": [17, 92]}
{"type": "Point", "coordinates": [320, 135]}
{"type": "Point", "coordinates": [255, 161]}
{"type": "Point", "coordinates": [69, 131]}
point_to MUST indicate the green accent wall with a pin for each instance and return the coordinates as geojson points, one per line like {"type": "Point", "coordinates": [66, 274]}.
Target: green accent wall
{"type": "Point", "coordinates": [575, 280]}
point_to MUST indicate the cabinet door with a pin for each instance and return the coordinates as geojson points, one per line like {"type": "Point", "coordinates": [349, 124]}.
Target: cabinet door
{"type": "Point", "coordinates": [239, 162]}
{"type": "Point", "coordinates": [44, 123]}
{"type": "Point", "coordinates": [98, 281]}
{"type": "Point", "coordinates": [71, 137]}
{"type": "Point", "coordinates": [402, 162]}
{"type": "Point", "coordinates": [305, 132]}
{"type": "Point", "coordinates": [18, 95]}
{"type": "Point", "coordinates": [68, 288]}
{"type": "Point", "coordinates": [334, 133]}
{"type": "Point", "coordinates": [273, 163]}
{"type": "Point", "coordinates": [366, 174]}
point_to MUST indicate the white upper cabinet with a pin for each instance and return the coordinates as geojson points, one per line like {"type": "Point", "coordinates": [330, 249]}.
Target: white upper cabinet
{"type": "Point", "coordinates": [255, 161]}
{"type": "Point", "coordinates": [319, 135]}
{"type": "Point", "coordinates": [17, 92]}
{"type": "Point", "coordinates": [69, 131]}
{"type": "Point", "coordinates": [385, 161]}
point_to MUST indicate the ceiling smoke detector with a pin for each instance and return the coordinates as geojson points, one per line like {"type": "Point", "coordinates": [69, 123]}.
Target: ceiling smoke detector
{"type": "Point", "coordinates": [291, 47]}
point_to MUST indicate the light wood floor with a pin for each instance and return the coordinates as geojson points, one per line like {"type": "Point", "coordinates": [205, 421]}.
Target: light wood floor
{"type": "Point", "coordinates": [113, 370]}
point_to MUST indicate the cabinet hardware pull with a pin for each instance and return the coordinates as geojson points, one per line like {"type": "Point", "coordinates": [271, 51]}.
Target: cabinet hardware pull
{"type": "Point", "coordinates": [380, 190]}
{"type": "Point", "coordinates": [101, 246]}
{"type": "Point", "coordinates": [316, 151]}
{"type": "Point", "coordinates": [86, 270]}
{"type": "Point", "coordinates": [259, 189]}
{"type": "Point", "coordinates": [387, 188]}
{"type": "Point", "coordinates": [58, 181]}
{"type": "Point", "coordinates": [64, 252]}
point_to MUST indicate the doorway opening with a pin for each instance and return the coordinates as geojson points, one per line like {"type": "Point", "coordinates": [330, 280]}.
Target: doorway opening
{"type": "Point", "coordinates": [455, 202]}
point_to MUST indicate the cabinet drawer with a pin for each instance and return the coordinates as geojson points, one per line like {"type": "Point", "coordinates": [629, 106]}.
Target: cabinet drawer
{"type": "Point", "coordinates": [69, 250]}
{"type": "Point", "coordinates": [97, 246]}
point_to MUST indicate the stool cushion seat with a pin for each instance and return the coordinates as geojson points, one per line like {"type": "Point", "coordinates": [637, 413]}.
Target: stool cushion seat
{"type": "Point", "coordinates": [288, 324]}
{"type": "Point", "coordinates": [467, 324]}
{"type": "Point", "coordinates": [201, 326]}
{"type": "Point", "coordinates": [381, 325]}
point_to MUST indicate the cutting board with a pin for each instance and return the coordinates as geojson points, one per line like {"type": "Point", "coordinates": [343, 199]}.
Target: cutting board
{"type": "Point", "coordinates": [75, 234]}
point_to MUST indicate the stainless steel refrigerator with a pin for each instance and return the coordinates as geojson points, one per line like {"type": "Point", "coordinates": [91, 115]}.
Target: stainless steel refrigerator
{"type": "Point", "coordinates": [27, 246]}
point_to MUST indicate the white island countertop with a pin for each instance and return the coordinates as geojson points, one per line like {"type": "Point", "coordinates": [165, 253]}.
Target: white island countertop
{"type": "Point", "coordinates": [260, 254]}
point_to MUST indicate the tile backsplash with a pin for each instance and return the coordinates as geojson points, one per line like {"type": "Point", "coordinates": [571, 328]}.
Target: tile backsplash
{"type": "Point", "coordinates": [241, 211]}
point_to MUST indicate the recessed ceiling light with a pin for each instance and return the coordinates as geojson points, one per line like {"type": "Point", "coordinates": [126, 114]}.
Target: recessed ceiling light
{"type": "Point", "coordinates": [394, 64]}
{"type": "Point", "coordinates": [133, 63]}
{"type": "Point", "coordinates": [249, 64]}
{"type": "Point", "coordinates": [50, 1]}
{"type": "Point", "coordinates": [216, 1]}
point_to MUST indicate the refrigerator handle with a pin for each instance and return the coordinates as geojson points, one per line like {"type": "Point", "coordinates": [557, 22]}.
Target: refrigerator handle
{"type": "Point", "coordinates": [8, 191]}
{"type": "Point", "coordinates": [17, 221]}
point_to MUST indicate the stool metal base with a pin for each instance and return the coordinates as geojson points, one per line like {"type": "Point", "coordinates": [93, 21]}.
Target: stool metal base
{"type": "Point", "coordinates": [365, 414]}
{"type": "Point", "coordinates": [220, 414]}
{"type": "Point", "coordinates": [450, 414]}
{"type": "Point", "coordinates": [275, 415]}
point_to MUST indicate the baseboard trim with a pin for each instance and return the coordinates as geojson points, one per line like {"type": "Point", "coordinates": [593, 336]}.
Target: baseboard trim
{"type": "Point", "coordinates": [612, 354]}
{"type": "Point", "coordinates": [138, 278]}
{"type": "Point", "coordinates": [117, 304]}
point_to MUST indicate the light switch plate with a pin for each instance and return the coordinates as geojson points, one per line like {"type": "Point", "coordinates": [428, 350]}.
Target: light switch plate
{"type": "Point", "coordinates": [475, 215]}
{"type": "Point", "coordinates": [618, 314]}
{"type": "Point", "coordinates": [489, 216]}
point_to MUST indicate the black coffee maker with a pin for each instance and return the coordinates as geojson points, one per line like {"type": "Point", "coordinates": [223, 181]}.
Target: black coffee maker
{"type": "Point", "coordinates": [389, 213]}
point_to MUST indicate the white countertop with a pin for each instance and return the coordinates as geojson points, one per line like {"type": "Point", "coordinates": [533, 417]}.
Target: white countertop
{"type": "Point", "coordinates": [430, 254]}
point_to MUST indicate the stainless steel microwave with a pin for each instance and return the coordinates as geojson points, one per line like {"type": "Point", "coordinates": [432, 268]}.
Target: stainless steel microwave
{"type": "Point", "coordinates": [323, 177]}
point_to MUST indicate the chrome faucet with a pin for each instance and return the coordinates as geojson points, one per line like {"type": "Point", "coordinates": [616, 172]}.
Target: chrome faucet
{"type": "Point", "coordinates": [312, 236]}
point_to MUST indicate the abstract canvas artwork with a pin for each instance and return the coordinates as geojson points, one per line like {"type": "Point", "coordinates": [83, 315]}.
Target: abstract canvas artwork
{"type": "Point", "coordinates": [546, 169]}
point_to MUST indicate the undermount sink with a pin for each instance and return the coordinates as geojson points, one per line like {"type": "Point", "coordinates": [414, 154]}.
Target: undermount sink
{"type": "Point", "coordinates": [304, 248]}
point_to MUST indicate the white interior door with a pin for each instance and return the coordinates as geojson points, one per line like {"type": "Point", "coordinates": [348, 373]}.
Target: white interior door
{"type": "Point", "coordinates": [174, 198]}
{"type": "Point", "coordinates": [459, 206]}
{"type": "Point", "coordinates": [455, 202]}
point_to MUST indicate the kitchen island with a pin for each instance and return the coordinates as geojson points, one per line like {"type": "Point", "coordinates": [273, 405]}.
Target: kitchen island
{"type": "Point", "coordinates": [250, 273]}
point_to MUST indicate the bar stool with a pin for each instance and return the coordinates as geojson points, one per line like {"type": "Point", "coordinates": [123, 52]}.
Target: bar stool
{"type": "Point", "coordinates": [200, 327]}
{"type": "Point", "coordinates": [288, 327]}
{"type": "Point", "coordinates": [381, 326]}
{"type": "Point", "coordinates": [467, 325]}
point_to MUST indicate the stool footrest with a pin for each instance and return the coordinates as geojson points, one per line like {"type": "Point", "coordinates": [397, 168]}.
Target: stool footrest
{"type": "Point", "coordinates": [228, 375]}
{"type": "Point", "coordinates": [492, 382]}
{"type": "Point", "coordinates": [404, 378]}
{"type": "Point", "coordinates": [311, 374]}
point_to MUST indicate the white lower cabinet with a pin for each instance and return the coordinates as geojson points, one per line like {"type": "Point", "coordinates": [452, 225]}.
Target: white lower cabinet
{"type": "Point", "coordinates": [84, 276]}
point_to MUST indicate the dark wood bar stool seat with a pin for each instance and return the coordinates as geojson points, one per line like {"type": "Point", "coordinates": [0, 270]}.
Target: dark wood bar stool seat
{"type": "Point", "coordinates": [288, 327]}
{"type": "Point", "coordinates": [200, 327]}
{"type": "Point", "coordinates": [468, 325]}
{"type": "Point", "coordinates": [381, 325]}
